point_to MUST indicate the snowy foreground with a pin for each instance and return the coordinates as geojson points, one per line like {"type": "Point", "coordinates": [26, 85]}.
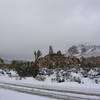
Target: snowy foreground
{"type": "Point", "coordinates": [12, 95]}
{"type": "Point", "coordinates": [86, 82]}
{"type": "Point", "coordinates": [88, 88]}
{"type": "Point", "coordinates": [48, 91]}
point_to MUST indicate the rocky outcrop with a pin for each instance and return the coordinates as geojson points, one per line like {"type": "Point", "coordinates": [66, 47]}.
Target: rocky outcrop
{"type": "Point", "coordinates": [76, 57]}
{"type": "Point", "coordinates": [50, 50]}
{"type": "Point", "coordinates": [1, 61]}
{"type": "Point", "coordinates": [95, 60]}
{"type": "Point", "coordinates": [56, 60]}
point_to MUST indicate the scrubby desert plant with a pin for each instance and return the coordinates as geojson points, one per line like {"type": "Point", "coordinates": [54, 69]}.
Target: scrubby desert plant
{"type": "Point", "coordinates": [76, 79]}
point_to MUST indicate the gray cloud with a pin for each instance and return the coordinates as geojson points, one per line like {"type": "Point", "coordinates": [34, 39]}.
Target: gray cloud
{"type": "Point", "coordinates": [26, 25]}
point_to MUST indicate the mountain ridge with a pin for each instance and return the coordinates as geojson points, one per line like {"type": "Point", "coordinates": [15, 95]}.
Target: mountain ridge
{"type": "Point", "coordinates": [84, 50]}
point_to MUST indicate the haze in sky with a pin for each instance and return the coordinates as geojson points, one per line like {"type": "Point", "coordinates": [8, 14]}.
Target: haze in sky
{"type": "Point", "coordinates": [28, 25]}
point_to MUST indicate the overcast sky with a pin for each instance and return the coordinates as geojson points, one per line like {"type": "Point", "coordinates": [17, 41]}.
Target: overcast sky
{"type": "Point", "coordinates": [28, 25]}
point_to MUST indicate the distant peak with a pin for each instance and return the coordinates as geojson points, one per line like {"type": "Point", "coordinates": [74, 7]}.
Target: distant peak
{"type": "Point", "coordinates": [86, 50]}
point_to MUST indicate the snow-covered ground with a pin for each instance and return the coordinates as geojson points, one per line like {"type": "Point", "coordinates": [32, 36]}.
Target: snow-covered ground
{"type": "Point", "coordinates": [12, 95]}
{"type": "Point", "coordinates": [85, 82]}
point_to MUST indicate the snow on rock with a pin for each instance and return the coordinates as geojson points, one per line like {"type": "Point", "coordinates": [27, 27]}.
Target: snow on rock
{"type": "Point", "coordinates": [85, 50]}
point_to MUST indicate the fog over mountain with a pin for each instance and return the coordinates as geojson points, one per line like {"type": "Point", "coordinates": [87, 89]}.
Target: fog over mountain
{"type": "Point", "coordinates": [28, 25]}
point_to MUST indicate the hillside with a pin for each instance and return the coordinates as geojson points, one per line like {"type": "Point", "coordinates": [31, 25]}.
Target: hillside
{"type": "Point", "coordinates": [84, 50]}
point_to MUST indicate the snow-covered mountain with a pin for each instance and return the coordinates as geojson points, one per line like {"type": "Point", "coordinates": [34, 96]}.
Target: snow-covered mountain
{"type": "Point", "coordinates": [84, 50]}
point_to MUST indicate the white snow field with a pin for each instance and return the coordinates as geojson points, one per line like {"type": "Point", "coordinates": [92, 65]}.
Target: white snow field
{"type": "Point", "coordinates": [12, 95]}
{"type": "Point", "coordinates": [89, 90]}
{"type": "Point", "coordinates": [73, 89]}
{"type": "Point", "coordinates": [88, 83]}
